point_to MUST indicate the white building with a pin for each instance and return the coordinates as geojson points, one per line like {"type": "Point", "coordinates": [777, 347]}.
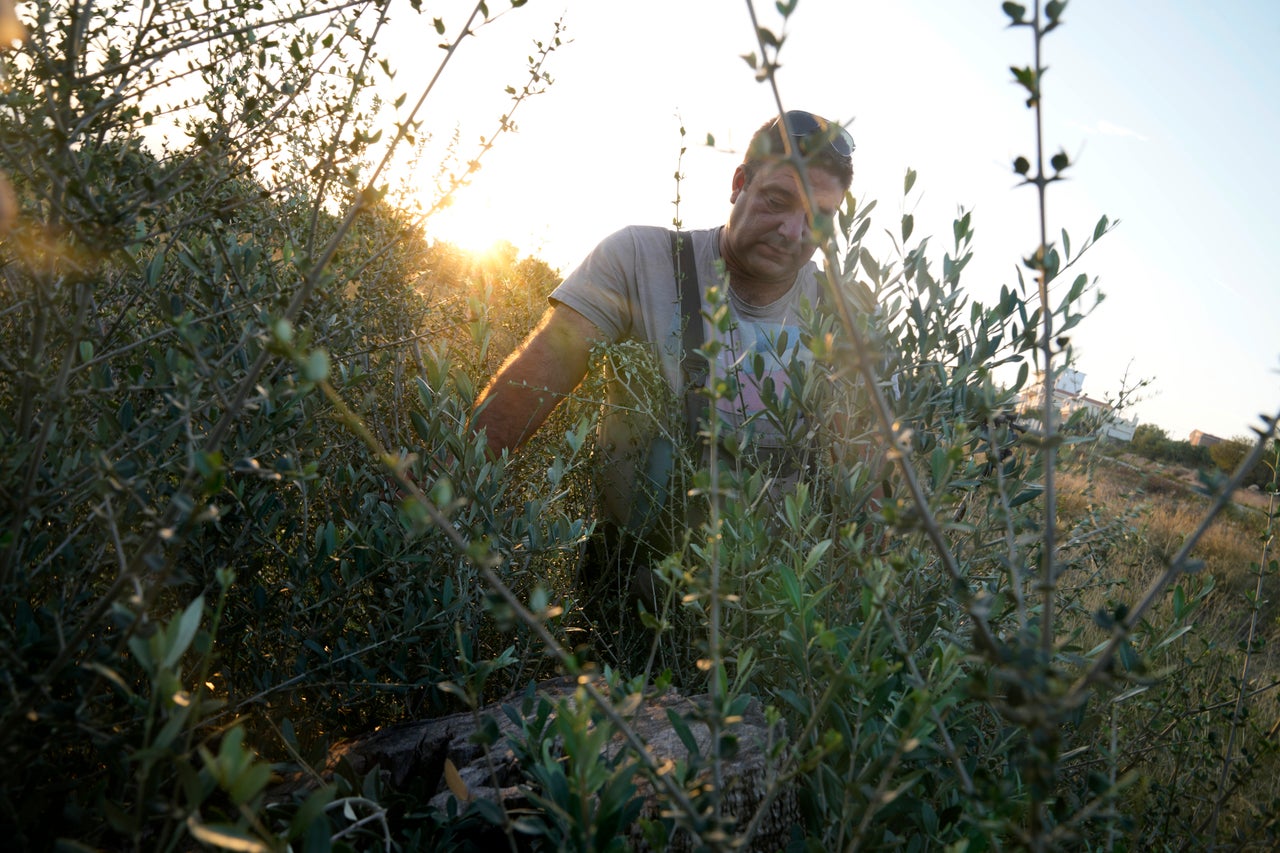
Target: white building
{"type": "Point", "coordinates": [1069, 398]}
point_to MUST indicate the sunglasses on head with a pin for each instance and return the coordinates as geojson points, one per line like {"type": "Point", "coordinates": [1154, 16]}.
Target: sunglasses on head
{"type": "Point", "coordinates": [811, 131]}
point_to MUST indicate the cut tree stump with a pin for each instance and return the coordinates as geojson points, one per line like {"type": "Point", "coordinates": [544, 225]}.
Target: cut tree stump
{"type": "Point", "coordinates": [418, 750]}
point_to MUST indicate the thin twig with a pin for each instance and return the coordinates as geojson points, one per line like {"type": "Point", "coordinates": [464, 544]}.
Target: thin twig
{"type": "Point", "coordinates": [1237, 712]}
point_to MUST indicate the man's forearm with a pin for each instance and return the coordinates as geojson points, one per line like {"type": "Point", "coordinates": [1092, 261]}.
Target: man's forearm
{"type": "Point", "coordinates": [531, 383]}
{"type": "Point", "coordinates": [512, 408]}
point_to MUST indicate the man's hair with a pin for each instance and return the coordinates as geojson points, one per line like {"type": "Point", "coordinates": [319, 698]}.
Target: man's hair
{"type": "Point", "coordinates": [767, 147]}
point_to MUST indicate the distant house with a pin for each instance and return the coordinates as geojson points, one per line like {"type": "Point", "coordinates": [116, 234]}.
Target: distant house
{"type": "Point", "coordinates": [1203, 439]}
{"type": "Point", "coordinates": [1069, 400]}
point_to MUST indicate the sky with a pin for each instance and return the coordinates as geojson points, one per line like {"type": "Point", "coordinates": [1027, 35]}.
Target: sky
{"type": "Point", "coordinates": [1168, 109]}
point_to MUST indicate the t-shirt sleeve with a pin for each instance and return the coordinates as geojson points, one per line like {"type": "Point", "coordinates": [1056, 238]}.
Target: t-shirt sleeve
{"type": "Point", "coordinates": [603, 287]}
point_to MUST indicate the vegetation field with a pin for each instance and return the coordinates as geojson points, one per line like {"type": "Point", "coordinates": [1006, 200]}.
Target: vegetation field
{"type": "Point", "coordinates": [244, 514]}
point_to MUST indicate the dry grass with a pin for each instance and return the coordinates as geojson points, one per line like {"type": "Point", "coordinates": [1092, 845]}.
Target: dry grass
{"type": "Point", "coordinates": [1157, 509]}
{"type": "Point", "coordinates": [1124, 522]}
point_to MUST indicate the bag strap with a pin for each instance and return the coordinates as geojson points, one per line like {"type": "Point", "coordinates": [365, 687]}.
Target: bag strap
{"type": "Point", "coordinates": [653, 486]}
{"type": "Point", "coordinates": [693, 365]}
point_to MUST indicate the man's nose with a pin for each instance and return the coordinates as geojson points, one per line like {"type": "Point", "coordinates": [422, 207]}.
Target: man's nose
{"type": "Point", "coordinates": [795, 226]}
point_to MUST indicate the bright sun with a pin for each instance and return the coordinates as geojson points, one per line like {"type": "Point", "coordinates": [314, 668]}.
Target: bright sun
{"type": "Point", "coordinates": [483, 224]}
{"type": "Point", "coordinates": [472, 224]}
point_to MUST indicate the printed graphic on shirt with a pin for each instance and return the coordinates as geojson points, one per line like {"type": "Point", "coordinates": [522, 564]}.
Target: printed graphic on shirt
{"type": "Point", "coordinates": [756, 358]}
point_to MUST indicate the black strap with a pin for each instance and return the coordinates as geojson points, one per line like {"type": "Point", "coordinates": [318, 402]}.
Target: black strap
{"type": "Point", "coordinates": [693, 365]}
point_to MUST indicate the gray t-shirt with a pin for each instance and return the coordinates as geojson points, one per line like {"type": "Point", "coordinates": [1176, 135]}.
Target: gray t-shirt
{"type": "Point", "coordinates": [626, 286]}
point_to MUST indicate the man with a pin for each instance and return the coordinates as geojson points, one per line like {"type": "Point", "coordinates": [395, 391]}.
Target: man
{"type": "Point", "coordinates": [796, 171]}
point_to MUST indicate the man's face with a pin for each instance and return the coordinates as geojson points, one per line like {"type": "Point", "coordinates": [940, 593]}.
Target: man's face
{"type": "Point", "coordinates": [769, 236]}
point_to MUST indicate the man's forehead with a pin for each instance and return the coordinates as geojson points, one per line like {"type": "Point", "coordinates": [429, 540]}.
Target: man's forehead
{"type": "Point", "coordinates": [781, 172]}
{"type": "Point", "coordinates": [787, 173]}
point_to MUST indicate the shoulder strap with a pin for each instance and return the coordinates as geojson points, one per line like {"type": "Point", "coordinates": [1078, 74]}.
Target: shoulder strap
{"type": "Point", "coordinates": [693, 365]}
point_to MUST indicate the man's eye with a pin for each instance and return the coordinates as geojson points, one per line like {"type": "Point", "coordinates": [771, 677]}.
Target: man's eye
{"type": "Point", "coordinates": [822, 225]}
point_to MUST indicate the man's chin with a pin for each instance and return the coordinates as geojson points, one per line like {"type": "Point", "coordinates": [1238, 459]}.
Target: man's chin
{"type": "Point", "coordinates": [778, 261]}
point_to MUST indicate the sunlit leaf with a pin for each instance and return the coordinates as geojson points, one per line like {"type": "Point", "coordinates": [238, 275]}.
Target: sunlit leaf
{"type": "Point", "coordinates": [186, 631]}
{"type": "Point", "coordinates": [454, 780]}
{"type": "Point", "coordinates": [224, 836]}
{"type": "Point", "coordinates": [316, 367]}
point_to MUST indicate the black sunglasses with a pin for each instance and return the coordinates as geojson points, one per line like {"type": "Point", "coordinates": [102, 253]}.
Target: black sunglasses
{"type": "Point", "coordinates": [811, 131]}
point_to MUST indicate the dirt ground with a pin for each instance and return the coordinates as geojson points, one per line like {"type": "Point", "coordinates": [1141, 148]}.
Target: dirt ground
{"type": "Point", "coordinates": [1258, 500]}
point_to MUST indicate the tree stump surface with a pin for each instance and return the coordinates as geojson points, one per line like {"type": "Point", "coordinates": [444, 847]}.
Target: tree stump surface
{"type": "Point", "coordinates": [419, 750]}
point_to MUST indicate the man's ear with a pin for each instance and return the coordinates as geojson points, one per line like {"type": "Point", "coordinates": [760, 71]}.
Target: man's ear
{"type": "Point", "coordinates": [739, 183]}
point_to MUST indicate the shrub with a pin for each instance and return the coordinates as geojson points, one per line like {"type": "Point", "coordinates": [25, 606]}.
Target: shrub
{"type": "Point", "coordinates": [202, 561]}
{"type": "Point", "coordinates": [243, 511]}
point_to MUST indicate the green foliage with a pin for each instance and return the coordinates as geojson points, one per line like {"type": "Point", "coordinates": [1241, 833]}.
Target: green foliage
{"type": "Point", "coordinates": [192, 323]}
{"type": "Point", "coordinates": [243, 513]}
{"type": "Point", "coordinates": [1147, 438]}
{"type": "Point", "coordinates": [1153, 443]}
{"type": "Point", "coordinates": [1228, 455]}
{"type": "Point", "coordinates": [583, 802]}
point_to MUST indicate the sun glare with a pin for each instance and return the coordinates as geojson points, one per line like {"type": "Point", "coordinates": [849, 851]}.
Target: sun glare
{"type": "Point", "coordinates": [492, 252]}
{"type": "Point", "coordinates": [486, 222]}
{"type": "Point", "coordinates": [471, 227]}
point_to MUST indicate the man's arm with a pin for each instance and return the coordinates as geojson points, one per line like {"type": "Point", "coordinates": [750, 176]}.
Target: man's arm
{"type": "Point", "coordinates": [532, 381]}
